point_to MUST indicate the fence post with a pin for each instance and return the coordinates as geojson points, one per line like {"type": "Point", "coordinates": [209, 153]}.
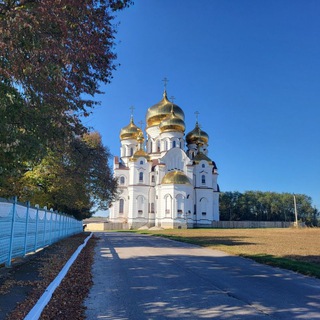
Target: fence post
{"type": "Point", "coordinates": [8, 264]}
{"type": "Point", "coordinates": [64, 226]}
{"type": "Point", "coordinates": [67, 226]}
{"type": "Point", "coordinates": [36, 233]}
{"type": "Point", "coordinates": [60, 225]}
{"type": "Point", "coordinates": [44, 226]}
{"type": "Point", "coordinates": [55, 226]}
{"type": "Point", "coordinates": [26, 229]}
{"type": "Point", "coordinates": [50, 235]}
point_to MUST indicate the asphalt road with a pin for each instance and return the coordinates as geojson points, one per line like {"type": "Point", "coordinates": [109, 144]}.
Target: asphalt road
{"type": "Point", "coordinates": [143, 277]}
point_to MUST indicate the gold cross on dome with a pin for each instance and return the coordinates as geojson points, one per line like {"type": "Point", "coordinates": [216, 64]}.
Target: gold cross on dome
{"type": "Point", "coordinates": [132, 108]}
{"type": "Point", "coordinates": [172, 99]}
{"type": "Point", "coordinates": [141, 123]}
{"type": "Point", "coordinates": [165, 81]}
{"type": "Point", "coordinates": [197, 114]}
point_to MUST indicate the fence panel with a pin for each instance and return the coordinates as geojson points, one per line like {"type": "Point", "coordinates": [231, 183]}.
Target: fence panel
{"type": "Point", "coordinates": [24, 229]}
{"type": "Point", "coordinates": [5, 229]}
{"type": "Point", "coordinates": [251, 224]}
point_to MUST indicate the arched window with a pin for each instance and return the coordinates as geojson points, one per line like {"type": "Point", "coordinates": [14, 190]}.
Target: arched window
{"type": "Point", "coordinates": [140, 204]}
{"type": "Point", "coordinates": [203, 179]}
{"type": "Point", "coordinates": [122, 180]}
{"type": "Point", "coordinates": [166, 145]}
{"type": "Point", "coordinates": [180, 204]}
{"type": "Point", "coordinates": [203, 165]}
{"type": "Point", "coordinates": [141, 161]}
{"type": "Point", "coordinates": [173, 144]}
{"type": "Point", "coordinates": [168, 204]}
{"type": "Point", "coordinates": [121, 205]}
{"type": "Point", "coordinates": [131, 152]}
{"type": "Point", "coordinates": [150, 146]}
{"type": "Point", "coordinates": [203, 206]}
{"type": "Point", "coordinates": [158, 146]}
{"type": "Point", "coordinates": [152, 179]}
{"type": "Point", "coordinates": [140, 176]}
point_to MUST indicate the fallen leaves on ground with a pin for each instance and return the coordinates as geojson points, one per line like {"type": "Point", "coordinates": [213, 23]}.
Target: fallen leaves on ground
{"type": "Point", "coordinates": [67, 300]}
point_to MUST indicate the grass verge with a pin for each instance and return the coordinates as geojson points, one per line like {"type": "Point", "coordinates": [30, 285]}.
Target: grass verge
{"type": "Point", "coordinates": [306, 268]}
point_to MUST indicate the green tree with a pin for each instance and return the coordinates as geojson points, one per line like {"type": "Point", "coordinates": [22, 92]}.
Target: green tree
{"type": "Point", "coordinates": [230, 203]}
{"type": "Point", "coordinates": [76, 180]}
{"type": "Point", "coordinates": [25, 135]}
{"type": "Point", "coordinates": [53, 57]}
{"type": "Point", "coordinates": [266, 206]}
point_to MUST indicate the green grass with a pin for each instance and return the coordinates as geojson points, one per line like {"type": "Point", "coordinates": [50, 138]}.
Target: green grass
{"type": "Point", "coordinates": [306, 268]}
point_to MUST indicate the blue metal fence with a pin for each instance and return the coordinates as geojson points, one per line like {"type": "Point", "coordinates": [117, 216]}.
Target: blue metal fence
{"type": "Point", "coordinates": [25, 229]}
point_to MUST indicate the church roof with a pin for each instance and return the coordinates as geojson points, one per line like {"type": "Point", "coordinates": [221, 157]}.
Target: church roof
{"type": "Point", "coordinates": [120, 163]}
{"type": "Point", "coordinates": [201, 156]}
{"type": "Point", "coordinates": [175, 177]}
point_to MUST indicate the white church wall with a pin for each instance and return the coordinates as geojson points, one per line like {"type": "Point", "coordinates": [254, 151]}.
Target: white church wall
{"type": "Point", "coordinates": [203, 169]}
{"type": "Point", "coordinates": [214, 181]}
{"type": "Point", "coordinates": [138, 211]}
{"type": "Point", "coordinates": [127, 149]}
{"type": "Point", "coordinates": [139, 171]}
{"type": "Point", "coordinates": [151, 206]}
{"type": "Point", "coordinates": [153, 132]}
{"type": "Point", "coordinates": [204, 206]}
{"type": "Point", "coordinates": [176, 202]}
{"type": "Point", "coordinates": [176, 159]}
{"type": "Point", "coordinates": [170, 140]}
{"type": "Point", "coordinates": [118, 215]}
{"type": "Point", "coordinates": [123, 177]}
{"type": "Point", "coordinates": [161, 173]}
{"type": "Point", "coordinates": [216, 214]}
{"type": "Point", "coordinates": [123, 180]}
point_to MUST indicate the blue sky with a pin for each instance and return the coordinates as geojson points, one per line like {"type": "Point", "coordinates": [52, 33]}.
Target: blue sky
{"type": "Point", "coordinates": [252, 70]}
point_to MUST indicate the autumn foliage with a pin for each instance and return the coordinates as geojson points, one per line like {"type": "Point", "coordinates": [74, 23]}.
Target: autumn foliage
{"type": "Point", "coordinates": [54, 55]}
{"type": "Point", "coordinates": [56, 51]}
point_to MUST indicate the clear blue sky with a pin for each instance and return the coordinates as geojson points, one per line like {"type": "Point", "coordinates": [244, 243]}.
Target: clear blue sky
{"type": "Point", "coordinates": [252, 70]}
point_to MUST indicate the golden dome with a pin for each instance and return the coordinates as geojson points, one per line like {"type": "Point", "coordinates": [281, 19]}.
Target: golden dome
{"type": "Point", "coordinates": [140, 137]}
{"type": "Point", "coordinates": [197, 136]}
{"type": "Point", "coordinates": [159, 111]}
{"type": "Point", "coordinates": [140, 153]}
{"type": "Point", "coordinates": [172, 123]}
{"type": "Point", "coordinates": [131, 131]}
{"type": "Point", "coordinates": [175, 177]}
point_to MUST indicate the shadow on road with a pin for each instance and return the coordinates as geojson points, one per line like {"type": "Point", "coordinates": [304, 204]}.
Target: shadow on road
{"type": "Point", "coordinates": [154, 278]}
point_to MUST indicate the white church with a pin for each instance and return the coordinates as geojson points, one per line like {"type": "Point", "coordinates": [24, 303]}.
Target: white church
{"type": "Point", "coordinates": [161, 183]}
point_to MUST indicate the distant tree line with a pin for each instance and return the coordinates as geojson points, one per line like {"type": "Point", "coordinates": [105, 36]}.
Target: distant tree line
{"type": "Point", "coordinates": [267, 206]}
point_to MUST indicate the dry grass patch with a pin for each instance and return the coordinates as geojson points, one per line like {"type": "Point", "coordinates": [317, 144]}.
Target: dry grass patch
{"type": "Point", "coordinates": [299, 247]}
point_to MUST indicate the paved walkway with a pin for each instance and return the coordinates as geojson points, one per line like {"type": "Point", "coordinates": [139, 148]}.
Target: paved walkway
{"type": "Point", "coordinates": [144, 277]}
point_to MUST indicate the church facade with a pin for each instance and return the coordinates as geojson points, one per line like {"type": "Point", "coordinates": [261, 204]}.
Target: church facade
{"type": "Point", "coordinates": [161, 183]}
